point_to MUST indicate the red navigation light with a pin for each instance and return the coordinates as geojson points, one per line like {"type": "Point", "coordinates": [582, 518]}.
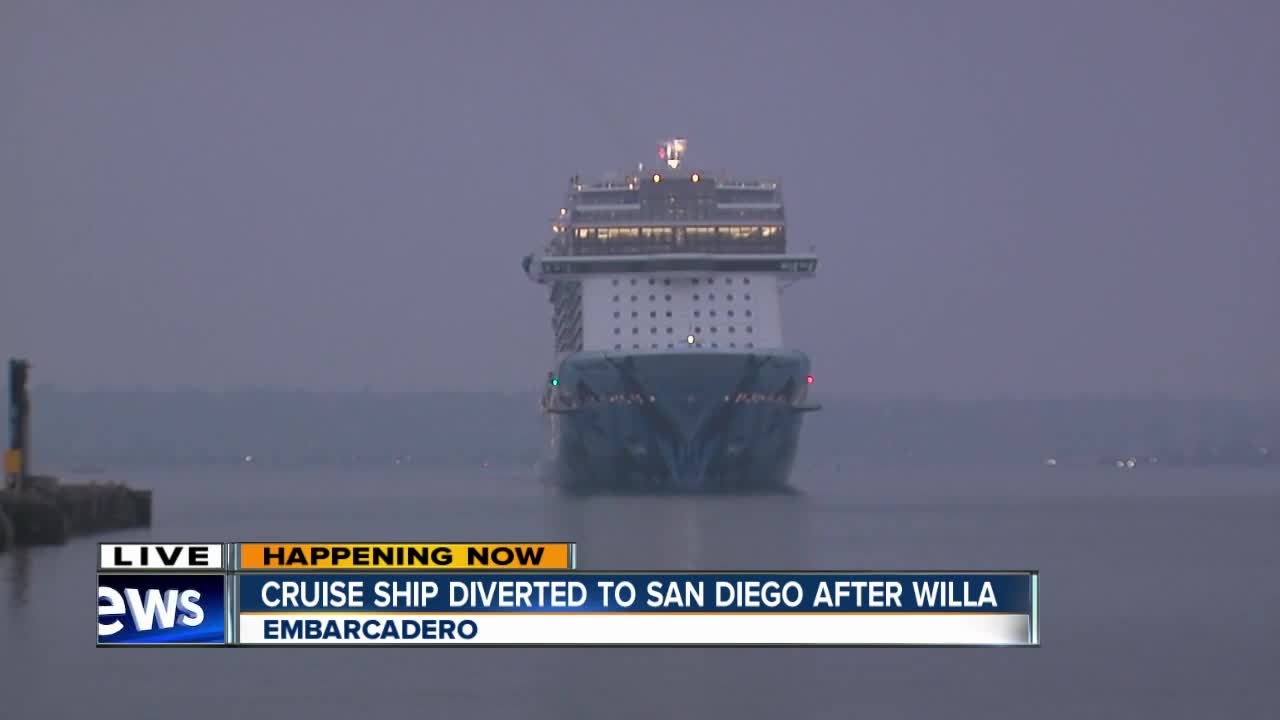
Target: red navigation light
{"type": "Point", "coordinates": [808, 379]}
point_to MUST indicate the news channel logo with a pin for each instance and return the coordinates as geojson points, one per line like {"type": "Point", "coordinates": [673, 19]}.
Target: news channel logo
{"type": "Point", "coordinates": [167, 609]}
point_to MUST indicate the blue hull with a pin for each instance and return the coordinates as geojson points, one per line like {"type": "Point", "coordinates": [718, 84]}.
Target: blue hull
{"type": "Point", "coordinates": [698, 421]}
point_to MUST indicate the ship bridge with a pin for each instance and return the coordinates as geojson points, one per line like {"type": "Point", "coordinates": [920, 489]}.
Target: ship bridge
{"type": "Point", "coordinates": [673, 257]}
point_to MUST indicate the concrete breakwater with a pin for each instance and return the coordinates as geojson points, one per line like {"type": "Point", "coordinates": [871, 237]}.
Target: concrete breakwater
{"type": "Point", "coordinates": [49, 512]}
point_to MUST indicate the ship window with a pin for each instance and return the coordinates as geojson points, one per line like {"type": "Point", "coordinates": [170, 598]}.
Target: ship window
{"type": "Point", "coordinates": [712, 313]}
{"type": "Point", "coordinates": [748, 328]}
{"type": "Point", "coordinates": [730, 313]}
{"type": "Point", "coordinates": [667, 282]}
{"type": "Point", "coordinates": [636, 331]}
{"type": "Point", "coordinates": [711, 296]}
{"type": "Point", "coordinates": [729, 281]}
{"type": "Point", "coordinates": [615, 282]}
{"type": "Point", "coordinates": [668, 331]}
{"type": "Point", "coordinates": [747, 296]}
{"type": "Point", "coordinates": [746, 281]}
{"type": "Point", "coordinates": [653, 313]}
{"type": "Point", "coordinates": [654, 346]}
{"type": "Point", "coordinates": [667, 298]}
{"type": "Point", "coordinates": [633, 298]}
{"type": "Point", "coordinates": [695, 297]}
{"type": "Point", "coordinates": [715, 345]}
{"type": "Point", "coordinates": [652, 298]}
{"type": "Point", "coordinates": [617, 331]}
{"type": "Point", "coordinates": [669, 345]}
{"type": "Point", "coordinates": [731, 328]}
{"type": "Point", "coordinates": [617, 314]}
{"type": "Point", "coordinates": [750, 345]}
{"type": "Point", "coordinates": [713, 328]}
{"type": "Point", "coordinates": [729, 297]}
{"type": "Point", "coordinates": [748, 313]}
{"type": "Point", "coordinates": [695, 281]}
{"type": "Point", "coordinates": [635, 347]}
{"type": "Point", "coordinates": [653, 331]}
{"type": "Point", "coordinates": [668, 313]}
{"type": "Point", "coordinates": [711, 281]}
{"type": "Point", "coordinates": [733, 345]}
{"type": "Point", "coordinates": [634, 313]}
{"type": "Point", "coordinates": [615, 298]}
{"type": "Point", "coordinates": [617, 347]}
{"type": "Point", "coordinates": [633, 281]}
{"type": "Point", "coordinates": [652, 281]}
{"type": "Point", "coordinates": [697, 330]}
{"type": "Point", "coordinates": [697, 313]}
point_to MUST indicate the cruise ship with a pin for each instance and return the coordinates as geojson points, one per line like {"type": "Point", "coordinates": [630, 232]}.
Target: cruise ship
{"type": "Point", "coordinates": [670, 373]}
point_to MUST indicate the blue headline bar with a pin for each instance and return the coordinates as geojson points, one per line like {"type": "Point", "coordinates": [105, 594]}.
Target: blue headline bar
{"type": "Point", "coordinates": [1005, 593]}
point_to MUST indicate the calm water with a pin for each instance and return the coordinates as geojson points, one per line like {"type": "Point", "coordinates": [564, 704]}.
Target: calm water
{"type": "Point", "coordinates": [1160, 592]}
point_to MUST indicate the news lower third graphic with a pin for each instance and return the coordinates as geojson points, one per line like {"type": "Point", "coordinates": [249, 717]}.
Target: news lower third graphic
{"type": "Point", "coordinates": [162, 609]}
{"type": "Point", "coordinates": [520, 594]}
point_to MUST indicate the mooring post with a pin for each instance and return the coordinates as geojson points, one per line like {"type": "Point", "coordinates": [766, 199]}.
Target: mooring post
{"type": "Point", "coordinates": [16, 461]}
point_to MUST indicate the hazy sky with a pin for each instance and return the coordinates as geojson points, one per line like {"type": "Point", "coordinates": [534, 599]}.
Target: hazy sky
{"type": "Point", "coordinates": [1016, 197]}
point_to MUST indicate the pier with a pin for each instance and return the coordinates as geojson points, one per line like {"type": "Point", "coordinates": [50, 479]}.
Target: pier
{"type": "Point", "coordinates": [42, 510]}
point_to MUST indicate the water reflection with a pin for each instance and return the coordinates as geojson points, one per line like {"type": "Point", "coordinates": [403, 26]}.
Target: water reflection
{"type": "Point", "coordinates": [686, 533]}
{"type": "Point", "coordinates": [19, 577]}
